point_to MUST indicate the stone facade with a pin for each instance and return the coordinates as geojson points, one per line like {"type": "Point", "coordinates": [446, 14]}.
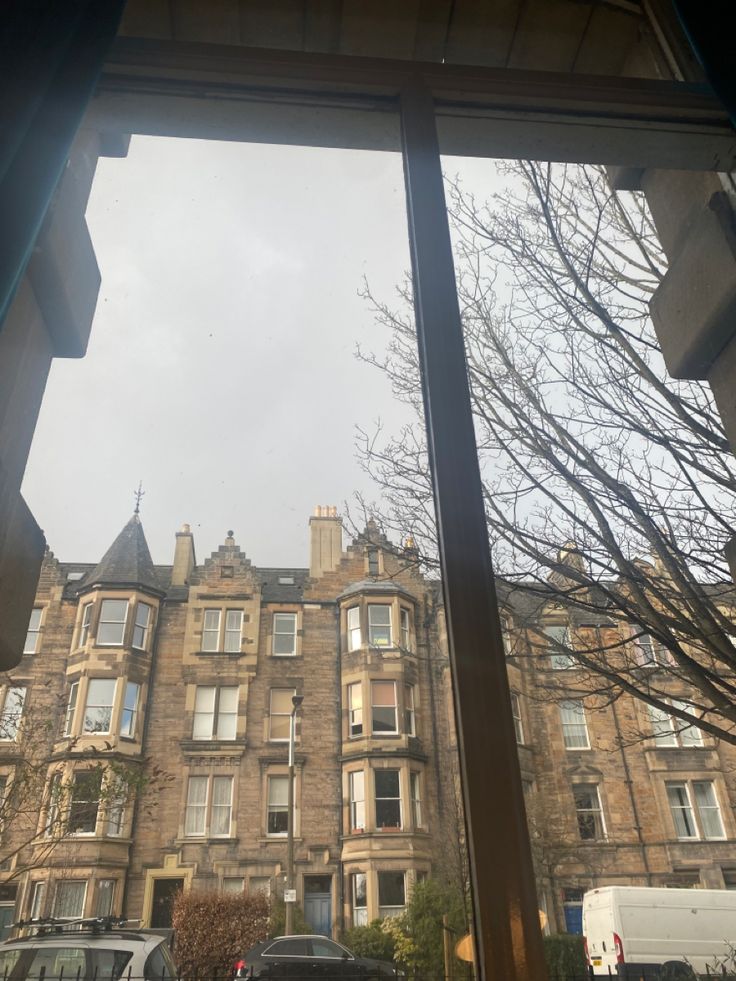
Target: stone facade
{"type": "Point", "coordinates": [191, 668]}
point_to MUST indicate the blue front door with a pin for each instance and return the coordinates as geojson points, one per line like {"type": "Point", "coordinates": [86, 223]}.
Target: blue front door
{"type": "Point", "coordinates": [318, 903]}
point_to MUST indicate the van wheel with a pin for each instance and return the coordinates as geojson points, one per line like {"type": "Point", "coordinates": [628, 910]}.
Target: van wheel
{"type": "Point", "coordinates": [677, 971]}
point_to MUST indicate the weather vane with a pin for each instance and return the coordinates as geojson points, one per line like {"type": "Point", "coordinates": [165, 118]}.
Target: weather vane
{"type": "Point", "coordinates": [138, 495]}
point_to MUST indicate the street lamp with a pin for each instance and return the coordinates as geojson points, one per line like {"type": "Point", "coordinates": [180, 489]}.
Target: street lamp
{"type": "Point", "coordinates": [289, 896]}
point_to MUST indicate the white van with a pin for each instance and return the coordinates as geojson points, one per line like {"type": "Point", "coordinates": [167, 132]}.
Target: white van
{"type": "Point", "coordinates": [634, 931]}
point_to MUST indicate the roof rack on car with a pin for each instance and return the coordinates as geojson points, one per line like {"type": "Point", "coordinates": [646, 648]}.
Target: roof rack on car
{"type": "Point", "coordinates": [68, 924]}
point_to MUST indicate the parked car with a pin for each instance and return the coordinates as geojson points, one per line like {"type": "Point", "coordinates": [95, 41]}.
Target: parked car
{"type": "Point", "coordinates": [646, 932]}
{"type": "Point", "coordinates": [86, 950]}
{"type": "Point", "coordinates": [307, 957]}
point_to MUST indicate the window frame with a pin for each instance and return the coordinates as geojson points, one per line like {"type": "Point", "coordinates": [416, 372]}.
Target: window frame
{"type": "Point", "coordinates": [570, 725]}
{"type": "Point", "coordinates": [353, 628]}
{"type": "Point", "coordinates": [205, 810]}
{"type": "Point", "coordinates": [11, 719]}
{"type": "Point", "coordinates": [387, 910]}
{"type": "Point", "coordinates": [356, 730]}
{"type": "Point", "coordinates": [273, 807]}
{"type": "Point", "coordinates": [71, 708]}
{"type": "Point", "coordinates": [279, 715]}
{"type": "Point", "coordinates": [518, 720]}
{"type": "Point", "coordinates": [384, 732]}
{"type": "Point", "coordinates": [101, 705]}
{"type": "Point", "coordinates": [410, 712]}
{"type": "Point", "coordinates": [380, 626]}
{"type": "Point", "coordinates": [356, 800]}
{"type": "Point", "coordinates": [692, 807]}
{"type": "Point", "coordinates": [144, 627]}
{"type": "Point", "coordinates": [223, 631]}
{"type": "Point", "coordinates": [34, 631]}
{"type": "Point", "coordinates": [132, 712]}
{"type": "Point", "coordinates": [281, 633]}
{"type": "Point", "coordinates": [599, 820]}
{"type": "Point", "coordinates": [102, 622]}
{"type": "Point", "coordinates": [217, 715]}
{"type": "Point", "coordinates": [379, 825]}
{"type": "Point", "coordinates": [85, 624]}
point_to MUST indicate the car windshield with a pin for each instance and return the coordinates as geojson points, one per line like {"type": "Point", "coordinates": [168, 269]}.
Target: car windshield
{"type": "Point", "coordinates": [63, 963]}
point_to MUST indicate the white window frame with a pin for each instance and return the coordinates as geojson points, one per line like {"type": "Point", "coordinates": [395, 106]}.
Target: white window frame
{"type": "Point", "coordinates": [214, 612]}
{"type": "Point", "coordinates": [99, 705]}
{"type": "Point", "coordinates": [669, 731]}
{"type": "Point", "coordinates": [273, 806]}
{"type": "Point", "coordinates": [384, 732]}
{"type": "Point", "coordinates": [279, 715]}
{"type": "Point", "coordinates": [594, 811]}
{"type": "Point", "coordinates": [560, 633]}
{"type": "Point", "coordinates": [376, 798]}
{"type": "Point", "coordinates": [691, 807]}
{"type": "Point", "coordinates": [11, 715]}
{"type": "Point", "coordinates": [122, 623]}
{"type": "Point", "coordinates": [71, 708]}
{"type": "Point", "coordinates": [384, 911]}
{"type": "Point", "coordinates": [359, 898]}
{"type": "Point", "coordinates": [356, 716]}
{"type": "Point", "coordinates": [38, 897]}
{"type": "Point", "coordinates": [85, 624]}
{"type": "Point", "coordinates": [232, 642]}
{"type": "Point", "coordinates": [130, 713]}
{"type": "Point", "coordinates": [405, 628]}
{"type": "Point", "coordinates": [415, 799]}
{"type": "Point", "coordinates": [60, 884]}
{"type": "Point", "coordinates": [356, 791]}
{"type": "Point", "coordinates": [142, 629]}
{"type": "Point", "coordinates": [77, 774]}
{"type": "Point", "coordinates": [109, 895]}
{"type": "Point", "coordinates": [573, 720]}
{"type": "Point", "coordinates": [33, 634]}
{"type": "Point", "coordinates": [518, 721]}
{"type": "Point", "coordinates": [283, 615]}
{"type": "Point", "coordinates": [410, 714]}
{"type": "Point", "coordinates": [227, 635]}
{"type": "Point", "coordinates": [199, 816]}
{"type": "Point", "coordinates": [650, 653]}
{"type": "Point", "coordinates": [380, 626]}
{"type": "Point", "coordinates": [355, 636]}
{"type": "Point", "coordinates": [212, 722]}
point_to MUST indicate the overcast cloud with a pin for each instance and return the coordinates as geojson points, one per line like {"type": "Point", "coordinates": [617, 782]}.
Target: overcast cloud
{"type": "Point", "coordinates": [221, 366]}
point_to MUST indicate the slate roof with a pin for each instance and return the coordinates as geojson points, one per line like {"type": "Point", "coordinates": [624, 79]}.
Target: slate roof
{"type": "Point", "coordinates": [127, 562]}
{"type": "Point", "coordinates": [274, 591]}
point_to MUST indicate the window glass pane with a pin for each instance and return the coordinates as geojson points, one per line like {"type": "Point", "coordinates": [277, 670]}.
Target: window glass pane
{"type": "Point", "coordinates": [98, 711]}
{"type": "Point", "coordinates": [105, 895]}
{"type": "Point", "coordinates": [211, 630]}
{"type": "Point", "coordinates": [409, 720]}
{"type": "Point", "coordinates": [355, 708]}
{"type": "Point", "coordinates": [140, 628]}
{"type": "Point", "coordinates": [130, 709]}
{"type": "Point", "coordinates": [688, 735]}
{"type": "Point", "coordinates": [259, 883]}
{"type": "Point", "coordinates": [34, 626]}
{"type": "Point", "coordinates": [233, 884]}
{"type": "Point", "coordinates": [682, 814]}
{"type": "Point", "coordinates": [284, 633]}
{"type": "Point", "coordinates": [293, 947]}
{"type": "Point", "coordinates": [111, 629]}
{"type": "Point", "coordinates": [280, 720]}
{"type": "Point", "coordinates": [388, 798]}
{"type": "Point", "coordinates": [85, 802]}
{"type": "Point", "coordinates": [12, 712]}
{"type": "Point", "coordinates": [86, 621]}
{"type": "Point", "coordinates": [233, 631]}
{"type": "Point", "coordinates": [354, 638]}
{"type": "Point", "coordinates": [196, 806]}
{"type": "Point", "coordinates": [222, 788]}
{"type": "Point", "coordinates": [662, 728]}
{"type": "Point", "coordinates": [707, 804]}
{"type": "Point", "coordinates": [69, 900]}
{"type": "Point", "coordinates": [391, 889]}
{"type": "Point", "coordinates": [383, 695]}
{"type": "Point", "coordinates": [405, 629]}
{"type": "Point", "coordinates": [360, 899]}
{"type": "Point", "coordinates": [357, 800]}
{"type": "Point", "coordinates": [204, 712]}
{"type": "Point", "coordinates": [227, 713]}
{"type": "Point", "coordinates": [588, 808]}
{"type": "Point", "coordinates": [574, 728]}
{"type": "Point", "coordinates": [278, 797]}
{"type": "Point", "coordinates": [379, 625]}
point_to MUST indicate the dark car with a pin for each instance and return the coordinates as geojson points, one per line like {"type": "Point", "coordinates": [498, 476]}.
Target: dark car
{"type": "Point", "coordinates": [309, 958]}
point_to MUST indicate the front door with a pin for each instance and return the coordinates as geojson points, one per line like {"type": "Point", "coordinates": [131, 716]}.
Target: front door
{"type": "Point", "coordinates": [164, 891]}
{"type": "Point", "coordinates": [318, 903]}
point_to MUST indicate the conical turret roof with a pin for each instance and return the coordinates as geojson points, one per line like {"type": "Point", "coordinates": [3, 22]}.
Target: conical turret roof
{"type": "Point", "coordinates": [127, 562]}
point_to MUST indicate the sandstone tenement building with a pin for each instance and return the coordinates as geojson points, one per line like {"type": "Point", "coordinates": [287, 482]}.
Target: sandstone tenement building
{"type": "Point", "coordinates": [191, 668]}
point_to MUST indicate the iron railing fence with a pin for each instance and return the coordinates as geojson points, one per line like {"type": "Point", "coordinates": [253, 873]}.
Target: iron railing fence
{"type": "Point", "coordinates": [657, 974]}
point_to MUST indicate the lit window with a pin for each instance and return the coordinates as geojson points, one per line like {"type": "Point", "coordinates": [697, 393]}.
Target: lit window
{"type": "Point", "coordinates": [129, 715]}
{"type": "Point", "coordinates": [354, 638]}
{"type": "Point", "coordinates": [701, 821]}
{"type": "Point", "coordinates": [388, 798]}
{"type": "Point", "coordinates": [410, 722]}
{"type": "Point", "coordinates": [355, 709]}
{"type": "Point", "coordinates": [215, 712]}
{"type": "Point", "coordinates": [379, 625]}
{"type": "Point", "coordinates": [111, 628]}
{"type": "Point", "coordinates": [516, 712]}
{"type": "Point", "coordinates": [105, 896]}
{"type": "Point", "coordinates": [416, 800]}
{"type": "Point", "coordinates": [278, 805]}
{"type": "Point", "coordinates": [100, 699]}
{"type": "Point", "coordinates": [142, 625]}
{"type": "Point", "coordinates": [589, 812]}
{"type": "Point", "coordinates": [34, 632]}
{"type": "Point", "coordinates": [360, 898]}
{"type": "Point", "coordinates": [233, 631]}
{"type": "Point", "coordinates": [69, 898]}
{"type": "Point", "coordinates": [284, 634]}
{"type": "Point", "coordinates": [574, 728]}
{"type": "Point", "coordinates": [559, 637]}
{"type": "Point", "coordinates": [391, 893]}
{"type": "Point", "coordinates": [71, 708]}
{"type": "Point", "coordinates": [209, 807]}
{"type": "Point", "coordinates": [211, 630]}
{"type": "Point", "coordinates": [85, 802]}
{"type": "Point", "coordinates": [404, 626]}
{"type": "Point", "coordinates": [86, 623]}
{"type": "Point", "coordinates": [357, 800]}
{"type": "Point", "coordinates": [383, 707]}
{"type": "Point", "coordinates": [279, 723]}
{"type": "Point", "coordinates": [12, 712]}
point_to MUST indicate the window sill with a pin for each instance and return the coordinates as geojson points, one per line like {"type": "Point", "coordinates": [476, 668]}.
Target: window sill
{"type": "Point", "coordinates": [206, 840]}
{"type": "Point", "coordinates": [231, 654]}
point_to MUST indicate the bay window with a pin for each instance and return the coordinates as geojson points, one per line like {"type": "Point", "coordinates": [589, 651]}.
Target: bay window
{"type": "Point", "coordinates": [111, 628]}
{"type": "Point", "coordinates": [98, 710]}
{"type": "Point", "coordinates": [354, 635]}
{"type": "Point", "coordinates": [129, 717]}
{"type": "Point", "coordinates": [379, 625]}
{"type": "Point", "coordinates": [142, 626]}
{"type": "Point", "coordinates": [391, 893]}
{"type": "Point", "coordinates": [384, 720]}
{"type": "Point", "coordinates": [355, 709]}
{"type": "Point", "coordinates": [388, 798]}
{"type": "Point", "coordinates": [357, 800]}
{"type": "Point", "coordinates": [359, 891]}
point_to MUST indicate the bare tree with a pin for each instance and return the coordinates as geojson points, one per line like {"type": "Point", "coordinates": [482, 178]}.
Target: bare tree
{"type": "Point", "coordinates": [609, 487]}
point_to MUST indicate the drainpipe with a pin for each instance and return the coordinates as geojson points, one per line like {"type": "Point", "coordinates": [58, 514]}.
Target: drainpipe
{"type": "Point", "coordinates": [144, 738]}
{"type": "Point", "coordinates": [629, 787]}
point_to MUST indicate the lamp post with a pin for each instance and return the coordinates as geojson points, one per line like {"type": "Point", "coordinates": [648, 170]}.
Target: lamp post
{"type": "Point", "coordinates": [296, 701]}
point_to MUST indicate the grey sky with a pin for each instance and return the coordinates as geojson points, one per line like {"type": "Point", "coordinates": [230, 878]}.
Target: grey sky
{"type": "Point", "coordinates": [221, 366]}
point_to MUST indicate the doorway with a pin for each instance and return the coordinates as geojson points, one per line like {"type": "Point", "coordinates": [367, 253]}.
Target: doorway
{"type": "Point", "coordinates": [164, 891]}
{"type": "Point", "coordinates": [318, 903]}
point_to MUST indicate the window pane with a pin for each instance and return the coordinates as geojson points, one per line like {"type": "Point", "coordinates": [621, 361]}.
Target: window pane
{"type": "Point", "coordinates": [100, 698]}
{"type": "Point", "coordinates": [707, 804]}
{"type": "Point", "coordinates": [69, 899]}
{"type": "Point", "coordinates": [574, 728]}
{"type": "Point", "coordinates": [85, 802]}
{"type": "Point", "coordinates": [211, 630]}
{"type": "Point", "coordinates": [111, 629]}
{"type": "Point", "coordinates": [379, 626]}
{"type": "Point", "coordinates": [259, 883]}
{"type": "Point", "coordinates": [588, 808]}
{"type": "Point", "coordinates": [233, 631]}
{"type": "Point", "coordinates": [227, 713]}
{"type": "Point", "coordinates": [204, 712]}
{"type": "Point", "coordinates": [662, 728]}
{"type": "Point", "coordinates": [383, 695]}
{"type": "Point", "coordinates": [354, 638]}
{"type": "Point", "coordinates": [34, 626]}
{"type": "Point", "coordinates": [284, 633]}
{"type": "Point", "coordinates": [196, 806]}
{"type": "Point", "coordinates": [688, 735]}
{"type": "Point", "coordinates": [682, 814]}
{"type": "Point", "coordinates": [130, 709]}
{"type": "Point", "coordinates": [222, 788]}
{"type": "Point", "coordinates": [105, 895]}
{"type": "Point", "coordinates": [391, 889]}
{"type": "Point", "coordinates": [12, 712]}
{"type": "Point", "coordinates": [357, 800]}
{"type": "Point", "coordinates": [140, 628]}
{"type": "Point", "coordinates": [278, 798]}
{"type": "Point", "coordinates": [233, 884]}
{"type": "Point", "coordinates": [278, 790]}
{"type": "Point", "coordinates": [388, 798]}
{"type": "Point", "coordinates": [355, 708]}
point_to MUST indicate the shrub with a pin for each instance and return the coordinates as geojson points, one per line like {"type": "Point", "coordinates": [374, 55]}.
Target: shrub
{"type": "Point", "coordinates": [565, 956]}
{"type": "Point", "coordinates": [277, 922]}
{"type": "Point", "coordinates": [418, 933]}
{"type": "Point", "coordinates": [213, 929]}
{"type": "Point", "coordinates": [370, 941]}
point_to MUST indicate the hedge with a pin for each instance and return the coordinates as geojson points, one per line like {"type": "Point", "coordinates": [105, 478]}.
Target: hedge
{"type": "Point", "coordinates": [213, 929]}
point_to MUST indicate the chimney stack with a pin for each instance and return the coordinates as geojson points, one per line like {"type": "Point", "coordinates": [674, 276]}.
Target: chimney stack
{"type": "Point", "coordinates": [184, 557]}
{"type": "Point", "coordinates": [325, 531]}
